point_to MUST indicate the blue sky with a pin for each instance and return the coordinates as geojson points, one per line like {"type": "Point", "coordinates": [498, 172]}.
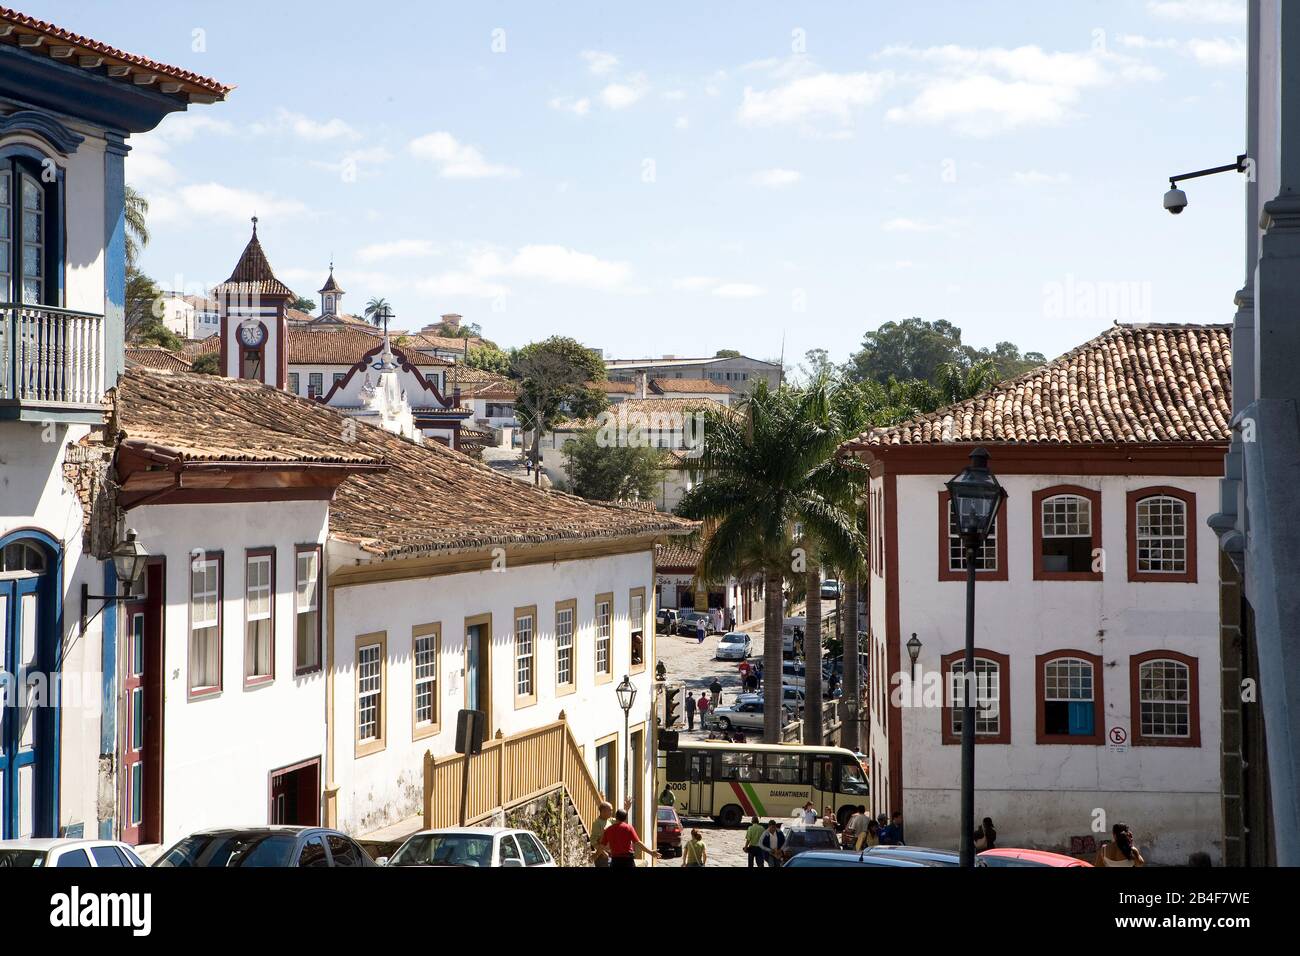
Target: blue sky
{"type": "Point", "coordinates": [664, 178]}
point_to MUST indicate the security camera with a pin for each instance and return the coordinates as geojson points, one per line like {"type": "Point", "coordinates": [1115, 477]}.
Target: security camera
{"type": "Point", "coordinates": [1175, 200]}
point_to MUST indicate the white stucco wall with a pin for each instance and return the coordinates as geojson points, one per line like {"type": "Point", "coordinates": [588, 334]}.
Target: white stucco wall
{"type": "Point", "coordinates": [385, 787]}
{"type": "Point", "coordinates": [1041, 795]}
{"type": "Point", "coordinates": [219, 751]}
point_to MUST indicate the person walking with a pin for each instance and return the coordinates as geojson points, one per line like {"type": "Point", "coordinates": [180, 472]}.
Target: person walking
{"type": "Point", "coordinates": [758, 674]}
{"type": "Point", "coordinates": [1122, 852]}
{"type": "Point", "coordinates": [701, 630]}
{"type": "Point", "coordinates": [828, 819]}
{"type": "Point", "coordinates": [603, 813]}
{"type": "Point", "coordinates": [703, 705]}
{"type": "Point", "coordinates": [808, 816]}
{"type": "Point", "coordinates": [752, 849]}
{"type": "Point", "coordinates": [745, 671]}
{"type": "Point", "coordinates": [620, 840]}
{"type": "Point", "coordinates": [773, 843]}
{"type": "Point", "coordinates": [690, 711]}
{"type": "Point", "coordinates": [667, 799]}
{"type": "Point", "coordinates": [716, 689]}
{"type": "Point", "coordinates": [696, 854]}
{"type": "Point", "coordinates": [892, 835]}
{"type": "Point", "coordinates": [861, 827]}
{"type": "Point", "coordinates": [986, 836]}
{"type": "Point", "coordinates": [873, 833]}
{"type": "Point", "coordinates": [848, 834]}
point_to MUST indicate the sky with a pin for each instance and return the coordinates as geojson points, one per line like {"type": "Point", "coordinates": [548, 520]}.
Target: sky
{"type": "Point", "coordinates": [678, 178]}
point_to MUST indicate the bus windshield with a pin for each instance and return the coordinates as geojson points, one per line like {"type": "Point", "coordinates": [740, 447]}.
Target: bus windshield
{"type": "Point", "coordinates": [852, 779]}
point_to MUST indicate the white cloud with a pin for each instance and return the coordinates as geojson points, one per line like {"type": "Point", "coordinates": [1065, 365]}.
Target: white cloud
{"type": "Point", "coordinates": [1218, 52]}
{"type": "Point", "coordinates": [821, 96]}
{"type": "Point", "coordinates": [739, 290]}
{"type": "Point", "coordinates": [675, 96]}
{"type": "Point", "coordinates": [619, 96]}
{"type": "Point", "coordinates": [397, 249]}
{"type": "Point", "coordinates": [903, 224]}
{"type": "Point", "coordinates": [1135, 42]}
{"type": "Point", "coordinates": [456, 160]}
{"type": "Point", "coordinates": [352, 163]}
{"type": "Point", "coordinates": [147, 166]}
{"type": "Point", "coordinates": [216, 202]}
{"type": "Point", "coordinates": [599, 62]}
{"type": "Point", "coordinates": [682, 122]}
{"type": "Point", "coordinates": [184, 127]}
{"type": "Point", "coordinates": [568, 104]}
{"type": "Point", "coordinates": [545, 263]}
{"type": "Point", "coordinates": [462, 284]}
{"type": "Point", "coordinates": [1199, 11]}
{"type": "Point", "coordinates": [306, 128]}
{"type": "Point", "coordinates": [1033, 177]}
{"type": "Point", "coordinates": [775, 177]}
{"type": "Point", "coordinates": [696, 283]}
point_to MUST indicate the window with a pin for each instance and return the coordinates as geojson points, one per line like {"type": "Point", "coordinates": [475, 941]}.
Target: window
{"type": "Point", "coordinates": [636, 615]}
{"type": "Point", "coordinates": [1162, 535]}
{"type": "Point", "coordinates": [525, 656]}
{"type": "Point", "coordinates": [343, 851]}
{"type": "Point", "coordinates": [73, 858]}
{"type": "Point", "coordinates": [783, 768]}
{"type": "Point", "coordinates": [1165, 700]}
{"type": "Point", "coordinates": [313, 853]}
{"type": "Point", "coordinates": [508, 851]}
{"type": "Point", "coordinates": [259, 623]}
{"type": "Point", "coordinates": [607, 768]}
{"type": "Point", "coordinates": [1070, 705]}
{"type": "Point", "coordinates": [205, 625]}
{"type": "Point", "coordinates": [29, 245]}
{"type": "Point", "coordinates": [293, 383]}
{"type": "Point", "coordinates": [604, 610]}
{"type": "Point", "coordinates": [992, 697]}
{"type": "Point", "coordinates": [315, 384]}
{"type": "Point", "coordinates": [565, 679]}
{"type": "Point", "coordinates": [371, 671]}
{"type": "Point", "coordinates": [338, 377]}
{"type": "Point", "coordinates": [736, 765]}
{"type": "Point", "coordinates": [307, 611]}
{"type": "Point", "coordinates": [426, 641]}
{"type": "Point", "coordinates": [534, 853]}
{"type": "Point", "coordinates": [989, 563]}
{"type": "Point", "coordinates": [1067, 534]}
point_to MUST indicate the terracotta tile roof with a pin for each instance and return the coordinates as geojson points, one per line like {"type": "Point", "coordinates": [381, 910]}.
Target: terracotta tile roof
{"type": "Point", "coordinates": [56, 40]}
{"type": "Point", "coordinates": [1139, 383]}
{"type": "Point", "coordinates": [435, 499]}
{"type": "Point", "coordinates": [668, 386]}
{"type": "Point", "coordinates": [447, 343]}
{"type": "Point", "coordinates": [660, 413]}
{"type": "Point", "coordinates": [476, 383]}
{"type": "Point", "coordinates": [193, 348]}
{"type": "Point", "coordinates": [346, 347]}
{"type": "Point", "coordinates": [253, 276]}
{"type": "Point", "coordinates": [330, 285]}
{"type": "Point", "coordinates": [613, 388]}
{"type": "Point", "coordinates": [242, 421]}
{"type": "Point", "coordinates": [155, 356]}
{"type": "Point", "coordinates": [676, 556]}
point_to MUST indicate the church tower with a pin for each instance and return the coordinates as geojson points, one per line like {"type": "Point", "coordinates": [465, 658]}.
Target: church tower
{"type": "Point", "coordinates": [254, 328]}
{"type": "Point", "coordinates": [331, 294]}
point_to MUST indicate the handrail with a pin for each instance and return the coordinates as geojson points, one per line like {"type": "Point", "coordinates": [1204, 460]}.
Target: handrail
{"type": "Point", "coordinates": [51, 355]}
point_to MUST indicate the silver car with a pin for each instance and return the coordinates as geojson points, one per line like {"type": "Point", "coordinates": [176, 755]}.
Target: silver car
{"type": "Point", "coordinates": [747, 715]}
{"type": "Point", "coordinates": [734, 646]}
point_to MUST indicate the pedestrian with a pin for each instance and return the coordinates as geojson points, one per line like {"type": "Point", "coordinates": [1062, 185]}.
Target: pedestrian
{"type": "Point", "coordinates": [809, 814]}
{"type": "Point", "coordinates": [847, 836]}
{"type": "Point", "coordinates": [738, 736]}
{"type": "Point", "coordinates": [773, 843]}
{"type": "Point", "coordinates": [716, 689]}
{"type": "Point", "coordinates": [703, 705]}
{"type": "Point", "coordinates": [690, 711]}
{"type": "Point", "coordinates": [696, 854]}
{"type": "Point", "coordinates": [986, 836]}
{"type": "Point", "coordinates": [621, 841]}
{"type": "Point", "coordinates": [666, 799]}
{"type": "Point", "coordinates": [701, 630]}
{"type": "Point", "coordinates": [752, 849]}
{"type": "Point", "coordinates": [744, 669]}
{"type": "Point", "coordinates": [828, 819]}
{"type": "Point", "coordinates": [758, 673]}
{"type": "Point", "coordinates": [892, 835]}
{"type": "Point", "coordinates": [603, 812]}
{"type": "Point", "coordinates": [873, 833]}
{"type": "Point", "coordinates": [1122, 852]}
{"type": "Point", "coordinates": [731, 619]}
{"type": "Point", "coordinates": [861, 827]}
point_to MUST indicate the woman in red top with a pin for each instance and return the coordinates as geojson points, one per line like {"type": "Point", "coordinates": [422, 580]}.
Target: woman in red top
{"type": "Point", "coordinates": [621, 840]}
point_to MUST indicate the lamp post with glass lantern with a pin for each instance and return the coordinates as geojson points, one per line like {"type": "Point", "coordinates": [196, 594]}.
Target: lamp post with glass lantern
{"type": "Point", "coordinates": [975, 497]}
{"type": "Point", "coordinates": [626, 694]}
{"type": "Point", "coordinates": [129, 561]}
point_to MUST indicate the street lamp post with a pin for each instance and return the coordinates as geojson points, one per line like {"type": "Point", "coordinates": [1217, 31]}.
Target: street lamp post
{"type": "Point", "coordinates": [975, 499]}
{"type": "Point", "coordinates": [626, 694]}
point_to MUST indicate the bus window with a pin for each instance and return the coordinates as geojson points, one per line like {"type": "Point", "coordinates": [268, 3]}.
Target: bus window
{"type": "Point", "coordinates": [700, 767]}
{"type": "Point", "coordinates": [735, 765]}
{"type": "Point", "coordinates": [784, 768]}
{"type": "Point", "coordinates": [823, 775]}
{"type": "Point", "coordinates": [852, 779]}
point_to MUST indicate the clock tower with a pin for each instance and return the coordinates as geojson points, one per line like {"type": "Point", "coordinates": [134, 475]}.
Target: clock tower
{"type": "Point", "coordinates": [254, 328]}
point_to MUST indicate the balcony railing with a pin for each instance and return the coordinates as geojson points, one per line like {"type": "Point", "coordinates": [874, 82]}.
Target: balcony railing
{"type": "Point", "coordinates": [51, 357]}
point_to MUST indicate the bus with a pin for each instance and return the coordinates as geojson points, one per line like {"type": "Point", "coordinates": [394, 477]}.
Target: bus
{"type": "Point", "coordinates": [732, 782]}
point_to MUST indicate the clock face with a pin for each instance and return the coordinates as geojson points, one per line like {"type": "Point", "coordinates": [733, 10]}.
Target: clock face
{"type": "Point", "coordinates": [251, 334]}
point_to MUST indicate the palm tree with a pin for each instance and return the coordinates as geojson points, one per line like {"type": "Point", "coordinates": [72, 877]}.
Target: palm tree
{"type": "Point", "coordinates": [375, 310]}
{"type": "Point", "coordinates": [959, 382]}
{"type": "Point", "coordinates": [768, 468]}
{"type": "Point", "coordinates": [137, 229]}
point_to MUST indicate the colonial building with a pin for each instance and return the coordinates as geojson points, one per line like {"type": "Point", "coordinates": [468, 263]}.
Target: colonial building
{"type": "Point", "coordinates": [1097, 661]}
{"type": "Point", "coordinates": [736, 373]}
{"type": "Point", "coordinates": [677, 585]}
{"type": "Point", "coordinates": [68, 105]}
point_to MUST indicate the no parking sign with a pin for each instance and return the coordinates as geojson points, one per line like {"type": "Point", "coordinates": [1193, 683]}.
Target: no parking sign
{"type": "Point", "coordinates": [1117, 740]}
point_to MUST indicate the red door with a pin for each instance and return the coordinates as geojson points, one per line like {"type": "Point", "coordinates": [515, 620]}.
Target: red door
{"type": "Point", "coordinates": [295, 794]}
{"type": "Point", "coordinates": [142, 715]}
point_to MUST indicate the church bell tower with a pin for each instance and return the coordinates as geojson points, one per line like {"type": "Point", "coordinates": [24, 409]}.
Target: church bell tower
{"type": "Point", "coordinates": [254, 327]}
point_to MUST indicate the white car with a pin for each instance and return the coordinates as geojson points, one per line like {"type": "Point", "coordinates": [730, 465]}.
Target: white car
{"type": "Point", "coordinates": [734, 646]}
{"type": "Point", "coordinates": [80, 853]}
{"type": "Point", "coordinates": [746, 714]}
{"type": "Point", "coordinates": [792, 697]}
{"type": "Point", "coordinates": [471, 846]}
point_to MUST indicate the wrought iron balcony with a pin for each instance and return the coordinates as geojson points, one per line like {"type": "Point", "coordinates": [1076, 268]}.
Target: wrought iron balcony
{"type": "Point", "coordinates": [51, 362]}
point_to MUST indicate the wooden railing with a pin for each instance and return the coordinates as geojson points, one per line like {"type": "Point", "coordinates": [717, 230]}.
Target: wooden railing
{"type": "Point", "coordinates": [509, 772]}
{"type": "Point", "coordinates": [51, 356]}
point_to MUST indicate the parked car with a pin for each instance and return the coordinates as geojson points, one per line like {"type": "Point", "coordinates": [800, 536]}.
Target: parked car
{"type": "Point", "coordinates": [791, 696]}
{"type": "Point", "coordinates": [791, 630]}
{"type": "Point", "coordinates": [830, 590]}
{"type": "Point", "coordinates": [848, 858]}
{"type": "Point", "coordinates": [747, 715]}
{"type": "Point", "coordinates": [666, 620]}
{"type": "Point", "coordinates": [29, 852]}
{"type": "Point", "coordinates": [266, 846]}
{"type": "Point", "coordinates": [793, 674]}
{"type": "Point", "coordinates": [923, 854]}
{"type": "Point", "coordinates": [686, 622]}
{"type": "Point", "coordinates": [734, 646]}
{"type": "Point", "coordinates": [668, 832]}
{"type": "Point", "coordinates": [1014, 857]}
{"type": "Point", "coordinates": [471, 846]}
{"type": "Point", "coordinates": [804, 839]}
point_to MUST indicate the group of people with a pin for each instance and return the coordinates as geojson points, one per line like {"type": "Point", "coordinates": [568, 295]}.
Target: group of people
{"type": "Point", "coordinates": [615, 842]}
{"type": "Point", "coordinates": [751, 676]}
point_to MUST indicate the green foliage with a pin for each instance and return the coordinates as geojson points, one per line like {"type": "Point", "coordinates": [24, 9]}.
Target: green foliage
{"type": "Point", "coordinates": [143, 304]}
{"type": "Point", "coordinates": [911, 349]}
{"type": "Point", "coordinates": [303, 304]}
{"type": "Point", "coordinates": [489, 358]}
{"type": "Point", "coordinates": [612, 473]}
{"type": "Point", "coordinates": [553, 377]}
{"type": "Point", "coordinates": [466, 330]}
{"type": "Point", "coordinates": [209, 363]}
{"type": "Point", "coordinates": [158, 334]}
{"type": "Point", "coordinates": [726, 353]}
{"type": "Point", "coordinates": [375, 311]}
{"type": "Point", "coordinates": [137, 229]}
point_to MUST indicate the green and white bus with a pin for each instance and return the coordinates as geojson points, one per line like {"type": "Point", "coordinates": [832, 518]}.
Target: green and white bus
{"type": "Point", "coordinates": [733, 782]}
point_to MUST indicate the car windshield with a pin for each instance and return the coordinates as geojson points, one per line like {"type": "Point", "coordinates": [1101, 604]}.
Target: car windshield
{"type": "Point", "coordinates": [444, 849]}
{"type": "Point", "coordinates": [21, 859]}
{"type": "Point", "coordinates": [667, 815]}
{"type": "Point", "coordinates": [733, 638]}
{"type": "Point", "coordinates": [232, 849]}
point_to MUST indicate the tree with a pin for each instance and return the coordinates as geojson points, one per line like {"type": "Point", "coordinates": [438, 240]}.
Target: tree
{"type": "Point", "coordinates": [209, 363]}
{"type": "Point", "coordinates": [911, 349]}
{"type": "Point", "coordinates": [624, 472]}
{"type": "Point", "coordinates": [553, 377]}
{"type": "Point", "coordinates": [816, 363]}
{"type": "Point", "coordinates": [1006, 359]}
{"type": "Point", "coordinates": [489, 358]}
{"type": "Point", "coordinates": [303, 304]}
{"type": "Point", "coordinates": [766, 469]}
{"type": "Point", "coordinates": [143, 304]}
{"type": "Point", "coordinates": [375, 310]}
{"type": "Point", "coordinates": [137, 229]}
{"type": "Point", "coordinates": [957, 382]}
{"type": "Point", "coordinates": [726, 353]}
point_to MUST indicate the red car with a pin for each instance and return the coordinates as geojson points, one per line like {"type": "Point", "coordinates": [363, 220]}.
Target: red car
{"type": "Point", "coordinates": [1012, 857]}
{"type": "Point", "coordinates": [668, 835]}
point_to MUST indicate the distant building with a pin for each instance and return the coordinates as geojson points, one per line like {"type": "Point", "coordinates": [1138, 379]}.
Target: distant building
{"type": "Point", "coordinates": [736, 374]}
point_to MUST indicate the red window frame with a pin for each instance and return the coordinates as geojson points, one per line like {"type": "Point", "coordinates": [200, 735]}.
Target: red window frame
{"type": "Point", "coordinates": [215, 690]}
{"type": "Point", "coordinates": [1094, 498]}
{"type": "Point", "coordinates": [1003, 736]}
{"type": "Point", "coordinates": [945, 572]}
{"type": "Point", "coordinates": [1193, 739]}
{"type": "Point", "coordinates": [1188, 576]}
{"type": "Point", "coordinates": [1098, 736]}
